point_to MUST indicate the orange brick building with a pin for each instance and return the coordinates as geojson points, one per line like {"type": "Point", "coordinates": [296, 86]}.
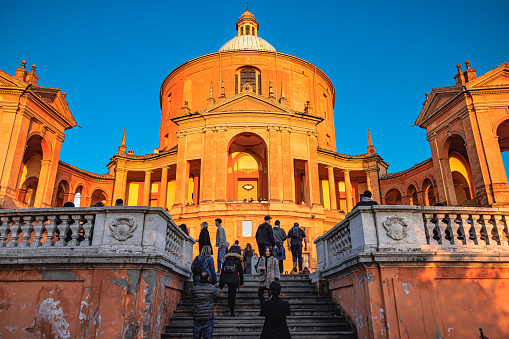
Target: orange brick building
{"type": "Point", "coordinates": [248, 131]}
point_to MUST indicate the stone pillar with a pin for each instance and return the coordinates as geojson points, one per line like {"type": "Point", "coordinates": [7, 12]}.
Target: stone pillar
{"type": "Point", "coordinates": [425, 198]}
{"type": "Point", "coordinates": [448, 182]}
{"type": "Point", "coordinates": [221, 163]}
{"type": "Point", "coordinates": [119, 187]}
{"type": "Point", "coordinates": [182, 180]}
{"type": "Point", "coordinates": [288, 176]}
{"type": "Point", "coordinates": [275, 168]}
{"type": "Point", "coordinates": [163, 190]}
{"type": "Point", "coordinates": [368, 182]}
{"type": "Point", "coordinates": [208, 170]}
{"type": "Point", "coordinates": [348, 188]}
{"type": "Point", "coordinates": [41, 187]}
{"type": "Point", "coordinates": [146, 188]}
{"type": "Point", "coordinates": [332, 189]}
{"type": "Point", "coordinates": [314, 182]}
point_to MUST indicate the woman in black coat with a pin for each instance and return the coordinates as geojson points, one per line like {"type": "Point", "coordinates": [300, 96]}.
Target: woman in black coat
{"type": "Point", "coordinates": [232, 275]}
{"type": "Point", "coordinates": [248, 255]}
{"type": "Point", "coordinates": [204, 238]}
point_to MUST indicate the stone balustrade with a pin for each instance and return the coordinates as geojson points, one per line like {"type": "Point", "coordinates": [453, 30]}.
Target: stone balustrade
{"type": "Point", "coordinates": [92, 233]}
{"type": "Point", "coordinates": [413, 229]}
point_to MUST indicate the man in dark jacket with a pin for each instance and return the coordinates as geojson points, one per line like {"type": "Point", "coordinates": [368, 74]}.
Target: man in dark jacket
{"type": "Point", "coordinates": [264, 236]}
{"type": "Point", "coordinates": [204, 295]}
{"type": "Point", "coordinates": [296, 235]}
{"type": "Point", "coordinates": [232, 275]}
{"type": "Point", "coordinates": [366, 200]}
{"type": "Point", "coordinates": [275, 312]}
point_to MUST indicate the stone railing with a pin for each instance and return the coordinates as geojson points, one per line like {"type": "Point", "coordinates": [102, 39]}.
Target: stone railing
{"type": "Point", "coordinates": [90, 234]}
{"type": "Point", "coordinates": [395, 230]}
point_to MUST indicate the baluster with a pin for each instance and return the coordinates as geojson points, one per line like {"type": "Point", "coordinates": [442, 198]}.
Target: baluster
{"type": "Point", "coordinates": [448, 232]}
{"type": "Point", "coordinates": [440, 229]}
{"type": "Point", "coordinates": [27, 229]}
{"type": "Point", "coordinates": [39, 230]}
{"type": "Point", "coordinates": [63, 228]}
{"type": "Point", "coordinates": [468, 230]}
{"type": "Point", "coordinates": [88, 229]}
{"type": "Point", "coordinates": [74, 226]}
{"type": "Point", "coordinates": [51, 227]}
{"type": "Point", "coordinates": [460, 230]}
{"type": "Point", "coordinates": [480, 235]}
{"type": "Point", "coordinates": [15, 229]}
{"type": "Point", "coordinates": [429, 227]}
{"type": "Point", "coordinates": [495, 233]}
{"type": "Point", "coordinates": [485, 236]}
{"type": "Point", "coordinates": [5, 229]}
{"type": "Point", "coordinates": [504, 235]}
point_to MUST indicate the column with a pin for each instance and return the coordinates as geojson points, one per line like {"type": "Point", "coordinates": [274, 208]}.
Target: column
{"type": "Point", "coordinates": [287, 164]}
{"type": "Point", "coordinates": [163, 190]}
{"type": "Point", "coordinates": [119, 187]}
{"type": "Point", "coordinates": [348, 188]}
{"type": "Point", "coordinates": [275, 168]}
{"type": "Point", "coordinates": [221, 163]}
{"type": "Point", "coordinates": [314, 184]}
{"type": "Point", "coordinates": [182, 180]}
{"type": "Point", "coordinates": [208, 172]}
{"type": "Point", "coordinates": [146, 188]}
{"type": "Point", "coordinates": [332, 189]}
{"type": "Point", "coordinates": [448, 182]}
{"type": "Point", "coordinates": [368, 182]}
{"type": "Point", "coordinates": [41, 187]}
{"type": "Point", "coordinates": [52, 169]}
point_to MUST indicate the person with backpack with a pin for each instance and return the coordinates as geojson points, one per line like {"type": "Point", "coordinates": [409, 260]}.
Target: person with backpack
{"type": "Point", "coordinates": [269, 272]}
{"type": "Point", "coordinates": [204, 262]}
{"type": "Point", "coordinates": [264, 236]}
{"type": "Point", "coordinates": [279, 248]}
{"type": "Point", "coordinates": [232, 275]}
{"type": "Point", "coordinates": [296, 235]}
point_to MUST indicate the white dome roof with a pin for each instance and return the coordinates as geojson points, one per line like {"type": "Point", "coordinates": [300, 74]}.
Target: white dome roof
{"type": "Point", "coordinates": [247, 43]}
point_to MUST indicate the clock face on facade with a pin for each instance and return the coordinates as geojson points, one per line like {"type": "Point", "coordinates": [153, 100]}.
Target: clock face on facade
{"type": "Point", "coordinates": [248, 187]}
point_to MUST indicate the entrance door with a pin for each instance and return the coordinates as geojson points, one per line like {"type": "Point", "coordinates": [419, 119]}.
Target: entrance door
{"type": "Point", "coordinates": [247, 189]}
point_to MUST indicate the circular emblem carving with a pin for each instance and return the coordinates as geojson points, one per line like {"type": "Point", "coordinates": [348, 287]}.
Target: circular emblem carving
{"type": "Point", "coordinates": [248, 187]}
{"type": "Point", "coordinates": [396, 227]}
{"type": "Point", "coordinates": [123, 228]}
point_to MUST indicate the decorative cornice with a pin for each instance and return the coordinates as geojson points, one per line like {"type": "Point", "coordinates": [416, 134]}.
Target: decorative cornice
{"type": "Point", "coordinates": [208, 129]}
{"type": "Point", "coordinates": [181, 134]}
{"type": "Point", "coordinates": [286, 129]}
{"type": "Point", "coordinates": [272, 128]}
{"type": "Point", "coordinates": [221, 128]}
{"type": "Point", "coordinates": [313, 134]}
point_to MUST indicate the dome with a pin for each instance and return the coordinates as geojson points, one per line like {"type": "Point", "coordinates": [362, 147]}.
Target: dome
{"type": "Point", "coordinates": [247, 43]}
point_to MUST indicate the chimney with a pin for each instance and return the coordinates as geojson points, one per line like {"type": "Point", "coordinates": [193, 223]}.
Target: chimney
{"type": "Point", "coordinates": [21, 73]}
{"type": "Point", "coordinates": [31, 77]}
{"type": "Point", "coordinates": [460, 76]}
{"type": "Point", "coordinates": [470, 73]}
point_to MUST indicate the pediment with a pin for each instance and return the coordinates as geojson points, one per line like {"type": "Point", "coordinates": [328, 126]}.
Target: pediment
{"type": "Point", "coordinates": [248, 102]}
{"type": "Point", "coordinates": [7, 80]}
{"type": "Point", "coordinates": [496, 80]}
{"type": "Point", "coordinates": [437, 99]}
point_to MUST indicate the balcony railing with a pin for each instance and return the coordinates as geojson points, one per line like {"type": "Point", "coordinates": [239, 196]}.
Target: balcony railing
{"type": "Point", "coordinates": [399, 230]}
{"type": "Point", "coordinates": [94, 231]}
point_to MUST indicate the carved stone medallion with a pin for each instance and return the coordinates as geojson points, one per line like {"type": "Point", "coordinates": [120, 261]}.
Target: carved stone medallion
{"type": "Point", "coordinates": [123, 228]}
{"type": "Point", "coordinates": [396, 227]}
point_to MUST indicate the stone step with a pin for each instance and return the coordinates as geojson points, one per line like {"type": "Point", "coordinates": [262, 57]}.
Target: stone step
{"type": "Point", "coordinates": [332, 311]}
{"type": "Point", "coordinates": [256, 305]}
{"type": "Point", "coordinates": [256, 335]}
{"type": "Point", "coordinates": [226, 328]}
{"type": "Point", "coordinates": [254, 294]}
{"type": "Point", "coordinates": [259, 320]}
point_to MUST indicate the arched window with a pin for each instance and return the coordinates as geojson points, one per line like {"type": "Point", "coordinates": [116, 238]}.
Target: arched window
{"type": "Point", "coordinates": [248, 75]}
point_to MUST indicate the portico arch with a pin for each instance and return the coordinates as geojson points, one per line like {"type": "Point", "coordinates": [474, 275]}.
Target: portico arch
{"type": "Point", "coordinates": [457, 172]}
{"type": "Point", "coordinates": [247, 168]}
{"type": "Point", "coordinates": [412, 195]}
{"type": "Point", "coordinates": [502, 134]}
{"type": "Point", "coordinates": [393, 197]}
{"type": "Point", "coordinates": [98, 195]}
{"type": "Point", "coordinates": [36, 150]}
{"type": "Point", "coordinates": [62, 194]}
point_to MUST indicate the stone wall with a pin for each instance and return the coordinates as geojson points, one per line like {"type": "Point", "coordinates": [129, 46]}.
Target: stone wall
{"type": "Point", "coordinates": [422, 272]}
{"type": "Point", "coordinates": [115, 279]}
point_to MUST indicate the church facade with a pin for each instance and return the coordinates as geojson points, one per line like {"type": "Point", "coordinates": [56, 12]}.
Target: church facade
{"type": "Point", "coordinates": [248, 131]}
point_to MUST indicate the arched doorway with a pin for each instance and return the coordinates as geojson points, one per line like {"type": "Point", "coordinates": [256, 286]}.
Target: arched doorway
{"type": "Point", "coordinates": [97, 196]}
{"type": "Point", "coordinates": [412, 195]}
{"type": "Point", "coordinates": [30, 170]}
{"type": "Point", "coordinates": [247, 168]}
{"type": "Point", "coordinates": [428, 191]}
{"type": "Point", "coordinates": [393, 197]}
{"type": "Point", "coordinates": [503, 142]}
{"type": "Point", "coordinates": [460, 172]}
{"type": "Point", "coordinates": [62, 193]}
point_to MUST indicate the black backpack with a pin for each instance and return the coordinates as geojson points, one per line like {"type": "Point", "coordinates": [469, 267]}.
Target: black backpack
{"type": "Point", "coordinates": [295, 234]}
{"type": "Point", "coordinates": [197, 266]}
{"type": "Point", "coordinates": [229, 266]}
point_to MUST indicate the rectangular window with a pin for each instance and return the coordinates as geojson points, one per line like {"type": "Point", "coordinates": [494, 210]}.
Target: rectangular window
{"type": "Point", "coordinates": [260, 84]}
{"type": "Point", "coordinates": [247, 228]}
{"type": "Point", "coordinates": [236, 84]}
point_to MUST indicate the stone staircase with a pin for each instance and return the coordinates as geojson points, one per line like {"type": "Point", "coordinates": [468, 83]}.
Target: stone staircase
{"type": "Point", "coordinates": [313, 316]}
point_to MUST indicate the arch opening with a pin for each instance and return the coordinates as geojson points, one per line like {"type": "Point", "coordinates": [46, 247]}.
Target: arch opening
{"type": "Point", "coordinates": [62, 195]}
{"type": "Point", "coordinates": [247, 168]}
{"type": "Point", "coordinates": [77, 196]}
{"type": "Point", "coordinates": [461, 174]}
{"type": "Point", "coordinates": [393, 197]}
{"type": "Point", "coordinates": [428, 191]}
{"type": "Point", "coordinates": [98, 196]}
{"type": "Point", "coordinates": [412, 195]}
{"type": "Point", "coordinates": [30, 171]}
{"type": "Point", "coordinates": [503, 142]}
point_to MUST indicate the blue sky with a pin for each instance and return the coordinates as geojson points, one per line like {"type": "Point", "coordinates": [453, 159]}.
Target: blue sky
{"type": "Point", "coordinates": [382, 56]}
